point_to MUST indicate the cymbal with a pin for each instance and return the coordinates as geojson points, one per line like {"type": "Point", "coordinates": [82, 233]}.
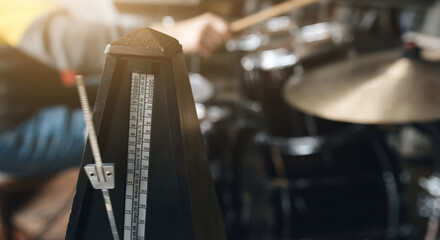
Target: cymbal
{"type": "Point", "coordinates": [378, 88]}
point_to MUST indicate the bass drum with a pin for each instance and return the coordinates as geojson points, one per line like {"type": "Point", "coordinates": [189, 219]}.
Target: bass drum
{"type": "Point", "coordinates": [347, 189]}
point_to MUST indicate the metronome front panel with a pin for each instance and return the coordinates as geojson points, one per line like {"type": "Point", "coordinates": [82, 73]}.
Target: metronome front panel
{"type": "Point", "coordinates": [164, 216]}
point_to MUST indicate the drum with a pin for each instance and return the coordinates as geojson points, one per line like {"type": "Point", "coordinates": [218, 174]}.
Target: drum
{"type": "Point", "coordinates": [274, 53]}
{"type": "Point", "coordinates": [348, 190]}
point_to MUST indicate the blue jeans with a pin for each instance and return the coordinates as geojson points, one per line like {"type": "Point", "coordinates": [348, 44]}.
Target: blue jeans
{"type": "Point", "coordinates": [50, 141]}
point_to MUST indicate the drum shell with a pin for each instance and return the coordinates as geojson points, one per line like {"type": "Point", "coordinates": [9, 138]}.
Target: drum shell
{"type": "Point", "coordinates": [288, 55]}
{"type": "Point", "coordinates": [280, 119]}
{"type": "Point", "coordinates": [344, 190]}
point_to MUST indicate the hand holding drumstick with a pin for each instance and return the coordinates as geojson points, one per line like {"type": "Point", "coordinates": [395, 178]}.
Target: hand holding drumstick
{"type": "Point", "coordinates": [205, 33]}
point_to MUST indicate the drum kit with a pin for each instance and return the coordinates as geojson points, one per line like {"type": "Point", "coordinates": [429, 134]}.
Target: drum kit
{"type": "Point", "coordinates": [325, 115]}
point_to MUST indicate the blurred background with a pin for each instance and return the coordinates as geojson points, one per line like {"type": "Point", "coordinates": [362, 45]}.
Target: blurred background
{"type": "Point", "coordinates": [320, 122]}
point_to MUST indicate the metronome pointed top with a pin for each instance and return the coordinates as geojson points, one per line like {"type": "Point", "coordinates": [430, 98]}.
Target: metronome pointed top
{"type": "Point", "coordinates": [145, 42]}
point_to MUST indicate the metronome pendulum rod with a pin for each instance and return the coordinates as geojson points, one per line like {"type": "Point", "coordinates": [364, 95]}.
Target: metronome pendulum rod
{"type": "Point", "coordinates": [99, 168]}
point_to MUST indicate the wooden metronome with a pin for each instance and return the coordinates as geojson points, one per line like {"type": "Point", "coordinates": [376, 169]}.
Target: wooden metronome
{"type": "Point", "coordinates": [146, 125]}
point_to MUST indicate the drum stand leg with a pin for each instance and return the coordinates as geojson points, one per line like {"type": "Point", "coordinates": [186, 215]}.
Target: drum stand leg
{"type": "Point", "coordinates": [282, 183]}
{"type": "Point", "coordinates": [392, 191]}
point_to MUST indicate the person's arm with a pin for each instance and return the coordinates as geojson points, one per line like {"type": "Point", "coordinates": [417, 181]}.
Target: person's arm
{"type": "Point", "coordinates": [64, 42]}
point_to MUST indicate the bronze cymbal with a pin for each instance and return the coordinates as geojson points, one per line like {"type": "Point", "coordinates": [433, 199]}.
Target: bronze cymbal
{"type": "Point", "coordinates": [378, 88]}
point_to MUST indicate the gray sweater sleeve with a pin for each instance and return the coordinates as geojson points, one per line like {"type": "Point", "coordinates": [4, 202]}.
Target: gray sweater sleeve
{"type": "Point", "coordinates": [64, 42]}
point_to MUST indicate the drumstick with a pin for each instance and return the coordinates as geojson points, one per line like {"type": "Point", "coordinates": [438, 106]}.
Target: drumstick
{"type": "Point", "coordinates": [266, 14]}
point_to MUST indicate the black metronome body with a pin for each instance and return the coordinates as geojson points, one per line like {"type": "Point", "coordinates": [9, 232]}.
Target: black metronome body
{"type": "Point", "coordinates": [147, 126]}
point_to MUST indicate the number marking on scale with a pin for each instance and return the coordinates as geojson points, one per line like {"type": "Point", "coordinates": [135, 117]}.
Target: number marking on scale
{"type": "Point", "coordinates": [138, 159]}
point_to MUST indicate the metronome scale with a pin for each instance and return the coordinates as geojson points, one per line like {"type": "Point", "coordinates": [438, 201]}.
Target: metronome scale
{"type": "Point", "coordinates": [162, 184]}
{"type": "Point", "coordinates": [139, 130]}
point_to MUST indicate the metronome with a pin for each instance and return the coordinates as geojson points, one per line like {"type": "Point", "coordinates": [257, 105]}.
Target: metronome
{"type": "Point", "coordinates": [146, 126]}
